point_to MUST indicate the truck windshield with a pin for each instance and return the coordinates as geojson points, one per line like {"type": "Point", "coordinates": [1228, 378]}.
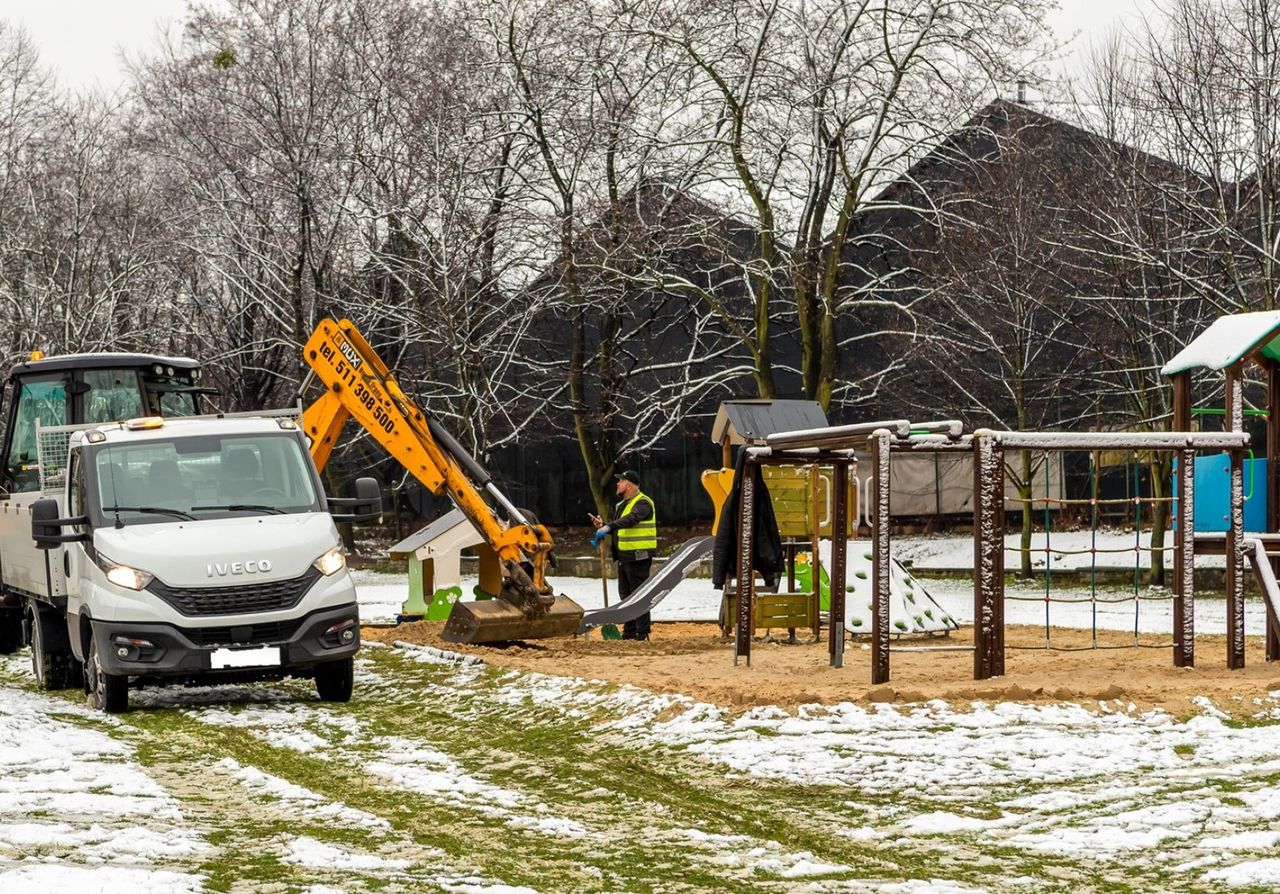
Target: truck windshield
{"type": "Point", "coordinates": [199, 477]}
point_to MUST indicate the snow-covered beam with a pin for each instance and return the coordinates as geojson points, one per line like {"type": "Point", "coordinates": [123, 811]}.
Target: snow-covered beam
{"type": "Point", "coordinates": [1136, 440]}
{"type": "Point", "coordinates": [837, 435]}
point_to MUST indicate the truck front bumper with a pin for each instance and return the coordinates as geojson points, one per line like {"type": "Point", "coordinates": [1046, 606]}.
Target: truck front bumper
{"type": "Point", "coordinates": [167, 650]}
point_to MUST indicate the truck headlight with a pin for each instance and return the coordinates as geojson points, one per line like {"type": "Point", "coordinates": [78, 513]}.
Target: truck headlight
{"type": "Point", "coordinates": [124, 575]}
{"type": "Point", "coordinates": [331, 562]}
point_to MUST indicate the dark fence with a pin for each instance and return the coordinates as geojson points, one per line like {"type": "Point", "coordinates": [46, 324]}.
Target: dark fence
{"type": "Point", "coordinates": [548, 479]}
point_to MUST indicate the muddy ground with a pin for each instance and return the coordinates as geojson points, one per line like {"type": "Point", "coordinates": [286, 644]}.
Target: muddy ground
{"type": "Point", "coordinates": [692, 659]}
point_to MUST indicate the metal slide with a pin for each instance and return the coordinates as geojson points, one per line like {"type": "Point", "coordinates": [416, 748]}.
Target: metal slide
{"type": "Point", "coordinates": [1257, 552]}
{"type": "Point", "coordinates": [654, 590]}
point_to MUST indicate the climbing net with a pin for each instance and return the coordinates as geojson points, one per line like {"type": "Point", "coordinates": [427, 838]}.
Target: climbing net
{"type": "Point", "coordinates": [1117, 560]}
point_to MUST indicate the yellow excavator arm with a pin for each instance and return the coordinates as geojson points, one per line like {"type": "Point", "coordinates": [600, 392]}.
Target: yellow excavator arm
{"type": "Point", "coordinates": [359, 386]}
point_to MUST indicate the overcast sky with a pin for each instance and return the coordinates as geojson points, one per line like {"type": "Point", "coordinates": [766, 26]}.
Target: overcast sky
{"type": "Point", "coordinates": [82, 40]}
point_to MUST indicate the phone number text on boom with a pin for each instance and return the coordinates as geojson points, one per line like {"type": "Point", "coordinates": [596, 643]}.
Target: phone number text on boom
{"type": "Point", "coordinates": [367, 399]}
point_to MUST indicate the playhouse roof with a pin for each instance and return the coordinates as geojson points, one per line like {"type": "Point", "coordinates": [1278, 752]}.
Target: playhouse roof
{"type": "Point", "coordinates": [1228, 340]}
{"type": "Point", "coordinates": [418, 539]}
{"type": "Point", "coordinates": [751, 421]}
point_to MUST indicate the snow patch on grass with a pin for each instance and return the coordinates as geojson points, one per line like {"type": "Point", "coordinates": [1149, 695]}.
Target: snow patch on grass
{"type": "Point", "coordinates": [307, 851]}
{"type": "Point", "coordinates": [59, 877]}
{"type": "Point", "coordinates": [1254, 872]}
{"type": "Point", "coordinates": [760, 856]}
{"type": "Point", "coordinates": [312, 803]}
{"type": "Point", "coordinates": [414, 767]}
{"type": "Point", "coordinates": [75, 790]}
{"type": "Point", "coordinates": [475, 885]}
{"type": "Point", "coordinates": [285, 726]}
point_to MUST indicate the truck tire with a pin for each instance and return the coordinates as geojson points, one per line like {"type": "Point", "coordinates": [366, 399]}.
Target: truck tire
{"type": "Point", "coordinates": [10, 630]}
{"type": "Point", "coordinates": [335, 680]}
{"type": "Point", "coordinates": [53, 667]}
{"type": "Point", "coordinates": [107, 692]}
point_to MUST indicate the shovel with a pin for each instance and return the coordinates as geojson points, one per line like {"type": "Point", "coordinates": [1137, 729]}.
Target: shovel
{"type": "Point", "coordinates": [608, 631]}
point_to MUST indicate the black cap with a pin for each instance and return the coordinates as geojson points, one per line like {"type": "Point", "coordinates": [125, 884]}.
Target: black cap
{"type": "Point", "coordinates": [628, 475]}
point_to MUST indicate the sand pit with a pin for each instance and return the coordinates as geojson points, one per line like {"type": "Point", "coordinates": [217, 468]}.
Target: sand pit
{"type": "Point", "coordinates": [690, 658]}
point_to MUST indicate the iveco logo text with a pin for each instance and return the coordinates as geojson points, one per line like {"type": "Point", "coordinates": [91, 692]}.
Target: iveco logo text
{"type": "Point", "coordinates": [253, 566]}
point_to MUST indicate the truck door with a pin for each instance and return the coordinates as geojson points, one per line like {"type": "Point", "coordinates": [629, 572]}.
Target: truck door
{"type": "Point", "coordinates": [37, 398]}
{"type": "Point", "coordinates": [74, 557]}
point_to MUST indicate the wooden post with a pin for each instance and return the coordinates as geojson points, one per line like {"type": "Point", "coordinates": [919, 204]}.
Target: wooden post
{"type": "Point", "coordinates": [815, 539]}
{"type": "Point", "coordinates": [880, 573]}
{"type": "Point", "coordinates": [988, 565]}
{"type": "Point", "coordinates": [1273, 493]}
{"type": "Point", "coordinates": [1235, 535]}
{"type": "Point", "coordinates": [1183, 546]}
{"type": "Point", "coordinates": [1184, 557]}
{"type": "Point", "coordinates": [839, 547]}
{"type": "Point", "coordinates": [746, 553]}
{"type": "Point", "coordinates": [726, 452]}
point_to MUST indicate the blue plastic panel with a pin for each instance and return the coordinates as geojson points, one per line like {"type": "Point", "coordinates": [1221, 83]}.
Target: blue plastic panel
{"type": "Point", "coordinates": [1213, 493]}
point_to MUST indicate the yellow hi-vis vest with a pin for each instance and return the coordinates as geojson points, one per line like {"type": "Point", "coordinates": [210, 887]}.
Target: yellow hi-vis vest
{"type": "Point", "coordinates": [640, 536]}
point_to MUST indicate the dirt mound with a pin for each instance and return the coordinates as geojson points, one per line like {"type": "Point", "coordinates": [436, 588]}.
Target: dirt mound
{"type": "Point", "coordinates": [692, 659]}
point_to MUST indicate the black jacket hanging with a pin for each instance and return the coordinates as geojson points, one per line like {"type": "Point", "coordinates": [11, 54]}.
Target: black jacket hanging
{"type": "Point", "coordinates": [766, 553]}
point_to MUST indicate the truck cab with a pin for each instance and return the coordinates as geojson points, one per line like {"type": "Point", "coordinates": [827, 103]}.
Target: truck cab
{"type": "Point", "coordinates": [139, 546]}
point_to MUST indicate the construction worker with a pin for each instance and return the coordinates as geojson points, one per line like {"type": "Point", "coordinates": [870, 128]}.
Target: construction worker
{"type": "Point", "coordinates": [634, 531]}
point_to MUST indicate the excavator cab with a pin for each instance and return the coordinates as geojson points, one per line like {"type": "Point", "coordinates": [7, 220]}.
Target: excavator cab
{"type": "Point", "coordinates": [357, 384]}
{"type": "Point", "coordinates": [88, 388]}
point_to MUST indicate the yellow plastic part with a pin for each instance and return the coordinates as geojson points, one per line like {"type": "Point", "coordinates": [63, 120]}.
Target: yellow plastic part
{"type": "Point", "coordinates": [801, 497]}
{"type": "Point", "coordinates": [717, 483]}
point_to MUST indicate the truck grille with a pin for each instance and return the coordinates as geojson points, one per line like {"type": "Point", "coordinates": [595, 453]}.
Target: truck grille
{"type": "Point", "coordinates": [249, 634]}
{"type": "Point", "coordinates": [256, 597]}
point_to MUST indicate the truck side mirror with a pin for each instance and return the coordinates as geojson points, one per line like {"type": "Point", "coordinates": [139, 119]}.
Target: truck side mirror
{"type": "Point", "coordinates": [366, 504]}
{"type": "Point", "coordinates": [46, 526]}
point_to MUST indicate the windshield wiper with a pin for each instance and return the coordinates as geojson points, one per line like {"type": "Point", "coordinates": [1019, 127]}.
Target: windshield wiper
{"type": "Point", "coordinates": [241, 507]}
{"type": "Point", "coordinates": [155, 510]}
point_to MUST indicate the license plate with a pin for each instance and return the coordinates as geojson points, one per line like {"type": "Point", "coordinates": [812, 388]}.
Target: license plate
{"type": "Point", "coordinates": [266, 656]}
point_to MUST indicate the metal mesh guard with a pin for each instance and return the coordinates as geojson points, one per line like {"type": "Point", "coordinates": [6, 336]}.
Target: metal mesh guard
{"type": "Point", "coordinates": [51, 454]}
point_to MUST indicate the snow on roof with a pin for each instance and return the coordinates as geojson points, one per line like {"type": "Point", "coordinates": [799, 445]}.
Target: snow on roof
{"type": "Point", "coordinates": [751, 421]}
{"type": "Point", "coordinates": [1227, 340]}
{"type": "Point", "coordinates": [419, 539]}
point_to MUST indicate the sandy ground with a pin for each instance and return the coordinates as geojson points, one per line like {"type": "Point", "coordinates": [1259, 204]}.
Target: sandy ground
{"type": "Point", "coordinates": [690, 658]}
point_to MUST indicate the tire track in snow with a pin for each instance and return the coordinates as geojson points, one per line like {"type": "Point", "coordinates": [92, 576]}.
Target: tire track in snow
{"type": "Point", "coordinates": [77, 810]}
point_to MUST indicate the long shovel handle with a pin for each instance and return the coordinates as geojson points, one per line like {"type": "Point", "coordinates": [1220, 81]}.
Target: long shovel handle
{"type": "Point", "coordinates": [604, 577]}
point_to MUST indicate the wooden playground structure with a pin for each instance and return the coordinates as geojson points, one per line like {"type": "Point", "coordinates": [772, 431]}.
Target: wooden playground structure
{"type": "Point", "coordinates": [1228, 346]}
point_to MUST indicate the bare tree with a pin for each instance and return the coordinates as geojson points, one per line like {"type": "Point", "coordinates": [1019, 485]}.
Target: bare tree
{"type": "Point", "coordinates": [1207, 84]}
{"type": "Point", "coordinates": [250, 114]}
{"type": "Point", "coordinates": [595, 100]}
{"type": "Point", "coordinates": [810, 109]}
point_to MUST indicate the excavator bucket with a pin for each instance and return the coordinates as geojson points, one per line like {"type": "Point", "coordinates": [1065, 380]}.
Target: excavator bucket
{"type": "Point", "coordinates": [498, 621]}
{"type": "Point", "coordinates": [519, 612]}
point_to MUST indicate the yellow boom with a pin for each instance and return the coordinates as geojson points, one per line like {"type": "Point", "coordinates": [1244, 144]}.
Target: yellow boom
{"type": "Point", "coordinates": [358, 385]}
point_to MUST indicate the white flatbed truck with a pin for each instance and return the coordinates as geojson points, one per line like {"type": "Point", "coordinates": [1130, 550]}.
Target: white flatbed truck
{"type": "Point", "coordinates": [164, 549]}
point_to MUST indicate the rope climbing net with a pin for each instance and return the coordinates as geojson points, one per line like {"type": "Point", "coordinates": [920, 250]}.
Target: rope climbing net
{"type": "Point", "coordinates": [1118, 565]}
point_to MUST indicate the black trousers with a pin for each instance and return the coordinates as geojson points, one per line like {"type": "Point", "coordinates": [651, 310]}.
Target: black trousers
{"type": "Point", "coordinates": [630, 576]}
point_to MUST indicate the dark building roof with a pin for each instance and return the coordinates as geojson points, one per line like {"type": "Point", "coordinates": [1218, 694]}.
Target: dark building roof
{"type": "Point", "coordinates": [1010, 173]}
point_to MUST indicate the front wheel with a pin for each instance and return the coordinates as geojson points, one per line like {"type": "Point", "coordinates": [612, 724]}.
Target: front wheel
{"type": "Point", "coordinates": [335, 680]}
{"type": "Point", "coordinates": [107, 692]}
